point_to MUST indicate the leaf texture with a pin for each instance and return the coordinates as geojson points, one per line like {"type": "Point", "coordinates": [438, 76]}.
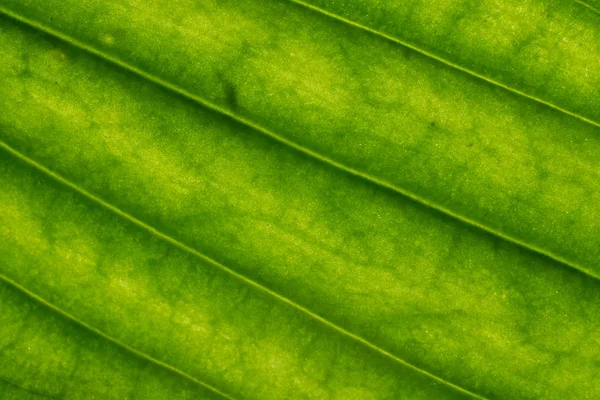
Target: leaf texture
{"type": "Point", "coordinates": [287, 199]}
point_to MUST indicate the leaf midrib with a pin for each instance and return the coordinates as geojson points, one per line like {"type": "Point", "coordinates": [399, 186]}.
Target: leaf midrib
{"type": "Point", "coordinates": [176, 243]}
{"type": "Point", "coordinates": [448, 62]}
{"type": "Point", "coordinates": [256, 127]}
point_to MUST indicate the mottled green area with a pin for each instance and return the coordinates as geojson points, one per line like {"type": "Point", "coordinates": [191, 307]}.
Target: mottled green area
{"type": "Point", "coordinates": [458, 142]}
{"type": "Point", "coordinates": [175, 247]}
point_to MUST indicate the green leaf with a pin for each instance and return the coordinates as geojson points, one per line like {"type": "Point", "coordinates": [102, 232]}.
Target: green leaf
{"type": "Point", "coordinates": [280, 199]}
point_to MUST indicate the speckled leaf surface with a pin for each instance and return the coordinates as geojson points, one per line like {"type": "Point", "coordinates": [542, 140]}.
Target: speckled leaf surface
{"type": "Point", "coordinates": [299, 199]}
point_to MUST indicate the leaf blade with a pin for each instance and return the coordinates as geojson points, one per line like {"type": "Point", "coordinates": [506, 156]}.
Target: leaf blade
{"type": "Point", "coordinates": [78, 166]}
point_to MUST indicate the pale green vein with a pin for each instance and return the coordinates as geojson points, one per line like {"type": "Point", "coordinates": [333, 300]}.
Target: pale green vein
{"type": "Point", "coordinates": [588, 6]}
{"type": "Point", "coordinates": [215, 263]}
{"type": "Point", "coordinates": [97, 331]}
{"type": "Point", "coordinates": [448, 62]}
{"type": "Point", "coordinates": [379, 182]}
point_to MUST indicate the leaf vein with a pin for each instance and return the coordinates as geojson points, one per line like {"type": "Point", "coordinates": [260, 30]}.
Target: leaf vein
{"type": "Point", "coordinates": [29, 390]}
{"type": "Point", "coordinates": [594, 9]}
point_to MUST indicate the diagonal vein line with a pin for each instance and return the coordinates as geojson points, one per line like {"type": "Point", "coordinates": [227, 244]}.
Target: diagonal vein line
{"type": "Point", "coordinates": [103, 335]}
{"type": "Point", "coordinates": [26, 389]}
{"type": "Point", "coordinates": [188, 249]}
{"type": "Point", "coordinates": [447, 62]}
{"type": "Point", "coordinates": [244, 121]}
{"type": "Point", "coordinates": [594, 9]}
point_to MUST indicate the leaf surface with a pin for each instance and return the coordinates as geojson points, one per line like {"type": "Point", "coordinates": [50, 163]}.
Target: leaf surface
{"type": "Point", "coordinates": [281, 199]}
